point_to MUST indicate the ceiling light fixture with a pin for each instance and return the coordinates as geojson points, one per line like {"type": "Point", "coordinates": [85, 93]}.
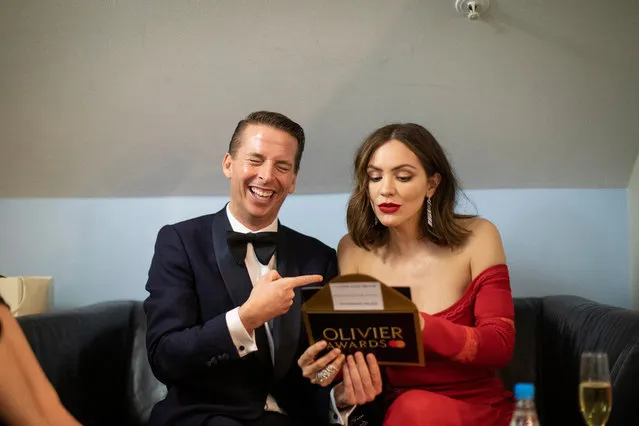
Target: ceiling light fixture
{"type": "Point", "coordinates": [472, 9]}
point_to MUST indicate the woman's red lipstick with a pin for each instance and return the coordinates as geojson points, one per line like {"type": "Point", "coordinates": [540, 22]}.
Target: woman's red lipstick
{"type": "Point", "coordinates": [388, 207]}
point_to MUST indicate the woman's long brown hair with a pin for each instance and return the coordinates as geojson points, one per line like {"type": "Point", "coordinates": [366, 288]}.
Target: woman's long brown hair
{"type": "Point", "coordinates": [360, 218]}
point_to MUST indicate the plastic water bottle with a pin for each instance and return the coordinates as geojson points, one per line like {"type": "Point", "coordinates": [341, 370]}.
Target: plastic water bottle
{"type": "Point", "coordinates": [525, 411]}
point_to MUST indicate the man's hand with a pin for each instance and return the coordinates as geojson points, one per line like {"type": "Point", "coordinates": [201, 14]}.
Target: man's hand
{"type": "Point", "coordinates": [362, 381]}
{"type": "Point", "coordinates": [271, 296]}
{"type": "Point", "coordinates": [331, 363]}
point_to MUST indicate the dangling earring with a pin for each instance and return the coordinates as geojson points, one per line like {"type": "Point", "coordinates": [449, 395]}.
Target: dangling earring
{"type": "Point", "coordinates": [429, 212]}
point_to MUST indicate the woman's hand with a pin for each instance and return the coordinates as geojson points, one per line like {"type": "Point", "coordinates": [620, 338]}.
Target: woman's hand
{"type": "Point", "coordinates": [362, 381]}
{"type": "Point", "coordinates": [324, 370]}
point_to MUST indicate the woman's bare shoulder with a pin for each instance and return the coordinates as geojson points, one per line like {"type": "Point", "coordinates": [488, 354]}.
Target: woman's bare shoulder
{"type": "Point", "coordinates": [347, 246]}
{"type": "Point", "coordinates": [481, 227]}
{"type": "Point", "coordinates": [485, 245]}
{"type": "Point", "coordinates": [349, 255]}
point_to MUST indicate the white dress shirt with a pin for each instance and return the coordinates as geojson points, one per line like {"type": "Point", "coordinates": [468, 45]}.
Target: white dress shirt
{"type": "Point", "coordinates": [245, 342]}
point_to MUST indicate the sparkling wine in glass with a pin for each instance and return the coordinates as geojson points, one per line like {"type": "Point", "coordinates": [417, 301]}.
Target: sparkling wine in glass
{"type": "Point", "coordinates": [595, 392]}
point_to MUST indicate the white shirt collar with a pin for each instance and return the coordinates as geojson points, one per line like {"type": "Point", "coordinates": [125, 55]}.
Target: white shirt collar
{"type": "Point", "coordinates": [238, 227]}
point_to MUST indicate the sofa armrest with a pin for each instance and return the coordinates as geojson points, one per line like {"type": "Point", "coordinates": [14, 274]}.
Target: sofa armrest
{"type": "Point", "coordinates": [571, 326]}
{"type": "Point", "coordinates": [94, 358]}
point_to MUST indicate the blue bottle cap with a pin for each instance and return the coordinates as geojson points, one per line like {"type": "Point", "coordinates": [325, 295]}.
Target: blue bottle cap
{"type": "Point", "coordinates": [524, 391]}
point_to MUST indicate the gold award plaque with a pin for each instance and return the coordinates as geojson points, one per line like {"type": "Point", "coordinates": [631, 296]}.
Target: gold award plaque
{"type": "Point", "coordinates": [359, 313]}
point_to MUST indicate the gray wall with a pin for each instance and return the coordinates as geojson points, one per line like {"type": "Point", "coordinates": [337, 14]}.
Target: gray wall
{"type": "Point", "coordinates": [633, 215]}
{"type": "Point", "coordinates": [139, 98]}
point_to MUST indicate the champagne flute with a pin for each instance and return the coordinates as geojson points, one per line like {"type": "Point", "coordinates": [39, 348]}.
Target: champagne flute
{"type": "Point", "coordinates": [595, 392]}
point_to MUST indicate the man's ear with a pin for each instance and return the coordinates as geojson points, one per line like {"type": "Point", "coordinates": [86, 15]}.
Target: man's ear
{"type": "Point", "coordinates": [433, 183]}
{"type": "Point", "coordinates": [292, 188]}
{"type": "Point", "coordinates": [227, 162]}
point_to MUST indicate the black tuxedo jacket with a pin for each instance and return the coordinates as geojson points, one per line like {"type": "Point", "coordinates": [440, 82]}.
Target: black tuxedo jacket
{"type": "Point", "coordinates": [193, 281]}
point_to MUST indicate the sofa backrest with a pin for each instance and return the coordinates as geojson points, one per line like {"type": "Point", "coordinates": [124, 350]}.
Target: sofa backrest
{"type": "Point", "coordinates": [523, 365]}
{"type": "Point", "coordinates": [144, 390]}
{"type": "Point", "coordinates": [573, 325]}
{"type": "Point", "coordinates": [95, 357]}
{"type": "Point", "coordinates": [552, 332]}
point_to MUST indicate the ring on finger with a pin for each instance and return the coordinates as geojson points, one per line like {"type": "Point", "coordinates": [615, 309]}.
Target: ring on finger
{"type": "Point", "coordinates": [325, 373]}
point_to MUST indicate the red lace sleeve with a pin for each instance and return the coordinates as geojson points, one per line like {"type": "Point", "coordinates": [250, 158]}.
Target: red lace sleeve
{"type": "Point", "coordinates": [490, 342]}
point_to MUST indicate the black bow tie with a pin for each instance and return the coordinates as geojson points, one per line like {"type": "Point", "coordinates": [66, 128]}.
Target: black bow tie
{"type": "Point", "coordinates": [264, 244]}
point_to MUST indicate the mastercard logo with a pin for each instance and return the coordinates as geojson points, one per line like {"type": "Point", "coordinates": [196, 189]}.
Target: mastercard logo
{"type": "Point", "coordinates": [396, 344]}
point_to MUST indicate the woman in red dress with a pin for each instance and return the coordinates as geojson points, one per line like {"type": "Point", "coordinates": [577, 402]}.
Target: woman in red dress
{"type": "Point", "coordinates": [403, 230]}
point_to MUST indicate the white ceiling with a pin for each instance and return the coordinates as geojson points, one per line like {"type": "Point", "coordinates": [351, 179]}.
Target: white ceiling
{"type": "Point", "coordinates": [139, 98]}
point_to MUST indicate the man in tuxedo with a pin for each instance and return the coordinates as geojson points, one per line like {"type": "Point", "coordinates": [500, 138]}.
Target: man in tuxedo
{"type": "Point", "coordinates": [224, 305]}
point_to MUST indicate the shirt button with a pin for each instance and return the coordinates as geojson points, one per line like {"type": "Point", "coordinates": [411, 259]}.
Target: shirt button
{"type": "Point", "coordinates": [241, 348]}
{"type": "Point", "coordinates": [335, 416]}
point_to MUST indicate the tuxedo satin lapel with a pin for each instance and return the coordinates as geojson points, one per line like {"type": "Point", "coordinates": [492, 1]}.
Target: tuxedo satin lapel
{"type": "Point", "coordinates": [235, 277]}
{"type": "Point", "coordinates": [286, 328]}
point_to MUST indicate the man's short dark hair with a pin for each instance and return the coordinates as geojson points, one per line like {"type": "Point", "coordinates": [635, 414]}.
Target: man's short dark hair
{"type": "Point", "coordinates": [275, 120]}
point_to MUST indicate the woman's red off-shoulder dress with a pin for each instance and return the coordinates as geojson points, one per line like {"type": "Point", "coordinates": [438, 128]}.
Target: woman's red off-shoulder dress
{"type": "Point", "coordinates": [464, 346]}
